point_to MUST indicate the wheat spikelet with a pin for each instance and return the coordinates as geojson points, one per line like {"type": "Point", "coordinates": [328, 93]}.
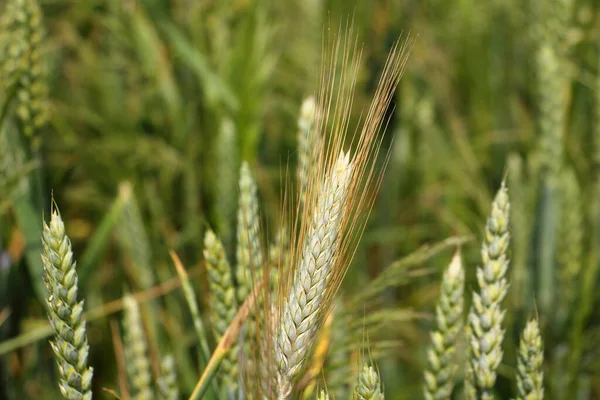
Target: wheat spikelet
{"type": "Point", "coordinates": [301, 311]}
{"type": "Point", "coordinates": [22, 62]}
{"type": "Point", "coordinates": [439, 377]}
{"type": "Point", "coordinates": [167, 381]}
{"type": "Point", "coordinates": [222, 302]}
{"type": "Point", "coordinates": [136, 355]}
{"type": "Point", "coordinates": [322, 395]}
{"type": "Point", "coordinates": [70, 343]}
{"type": "Point", "coordinates": [369, 385]}
{"type": "Point", "coordinates": [530, 375]}
{"type": "Point", "coordinates": [485, 333]}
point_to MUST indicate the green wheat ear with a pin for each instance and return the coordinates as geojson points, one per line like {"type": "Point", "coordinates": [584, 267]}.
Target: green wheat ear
{"type": "Point", "coordinates": [138, 365]}
{"type": "Point", "coordinates": [22, 62]}
{"type": "Point", "coordinates": [65, 313]}
{"type": "Point", "coordinates": [439, 377]}
{"type": "Point", "coordinates": [167, 382]}
{"type": "Point", "coordinates": [322, 395]}
{"type": "Point", "coordinates": [223, 304]}
{"type": "Point", "coordinates": [369, 385]}
{"type": "Point", "coordinates": [484, 331]}
{"type": "Point", "coordinates": [530, 376]}
{"type": "Point", "coordinates": [248, 251]}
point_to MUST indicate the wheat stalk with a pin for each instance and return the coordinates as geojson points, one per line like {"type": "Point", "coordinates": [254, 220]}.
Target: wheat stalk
{"type": "Point", "coordinates": [369, 385]}
{"type": "Point", "coordinates": [136, 355]}
{"type": "Point", "coordinates": [530, 375]}
{"type": "Point", "coordinates": [222, 302]}
{"type": "Point", "coordinates": [65, 313]}
{"type": "Point", "coordinates": [303, 305]}
{"type": "Point", "coordinates": [485, 332]}
{"type": "Point", "coordinates": [439, 377]}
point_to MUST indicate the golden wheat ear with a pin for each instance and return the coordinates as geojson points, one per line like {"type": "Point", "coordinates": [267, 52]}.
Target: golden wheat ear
{"type": "Point", "coordinates": [341, 184]}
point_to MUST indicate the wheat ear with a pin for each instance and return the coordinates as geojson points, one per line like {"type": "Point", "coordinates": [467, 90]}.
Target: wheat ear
{"type": "Point", "coordinates": [570, 246]}
{"type": "Point", "coordinates": [167, 382]}
{"type": "Point", "coordinates": [223, 304]}
{"type": "Point", "coordinates": [136, 354]}
{"type": "Point", "coordinates": [305, 142]}
{"type": "Point", "coordinates": [485, 318]}
{"type": "Point", "coordinates": [249, 255]}
{"type": "Point", "coordinates": [322, 395]}
{"type": "Point", "coordinates": [530, 376]}
{"type": "Point", "coordinates": [22, 61]}
{"type": "Point", "coordinates": [301, 312]}
{"type": "Point", "coordinates": [65, 313]}
{"type": "Point", "coordinates": [439, 377]}
{"type": "Point", "coordinates": [369, 385]}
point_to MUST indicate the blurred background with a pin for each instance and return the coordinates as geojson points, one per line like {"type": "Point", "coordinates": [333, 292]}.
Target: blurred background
{"type": "Point", "coordinates": [152, 105]}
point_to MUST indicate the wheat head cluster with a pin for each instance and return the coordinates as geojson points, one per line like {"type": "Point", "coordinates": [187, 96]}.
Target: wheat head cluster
{"type": "Point", "coordinates": [269, 321]}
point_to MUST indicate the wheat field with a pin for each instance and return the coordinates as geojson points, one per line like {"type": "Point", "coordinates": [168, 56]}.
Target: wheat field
{"type": "Point", "coordinates": [324, 199]}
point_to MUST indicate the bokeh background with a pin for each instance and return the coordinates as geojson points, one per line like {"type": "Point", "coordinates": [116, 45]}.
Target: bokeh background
{"type": "Point", "coordinates": [153, 105]}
